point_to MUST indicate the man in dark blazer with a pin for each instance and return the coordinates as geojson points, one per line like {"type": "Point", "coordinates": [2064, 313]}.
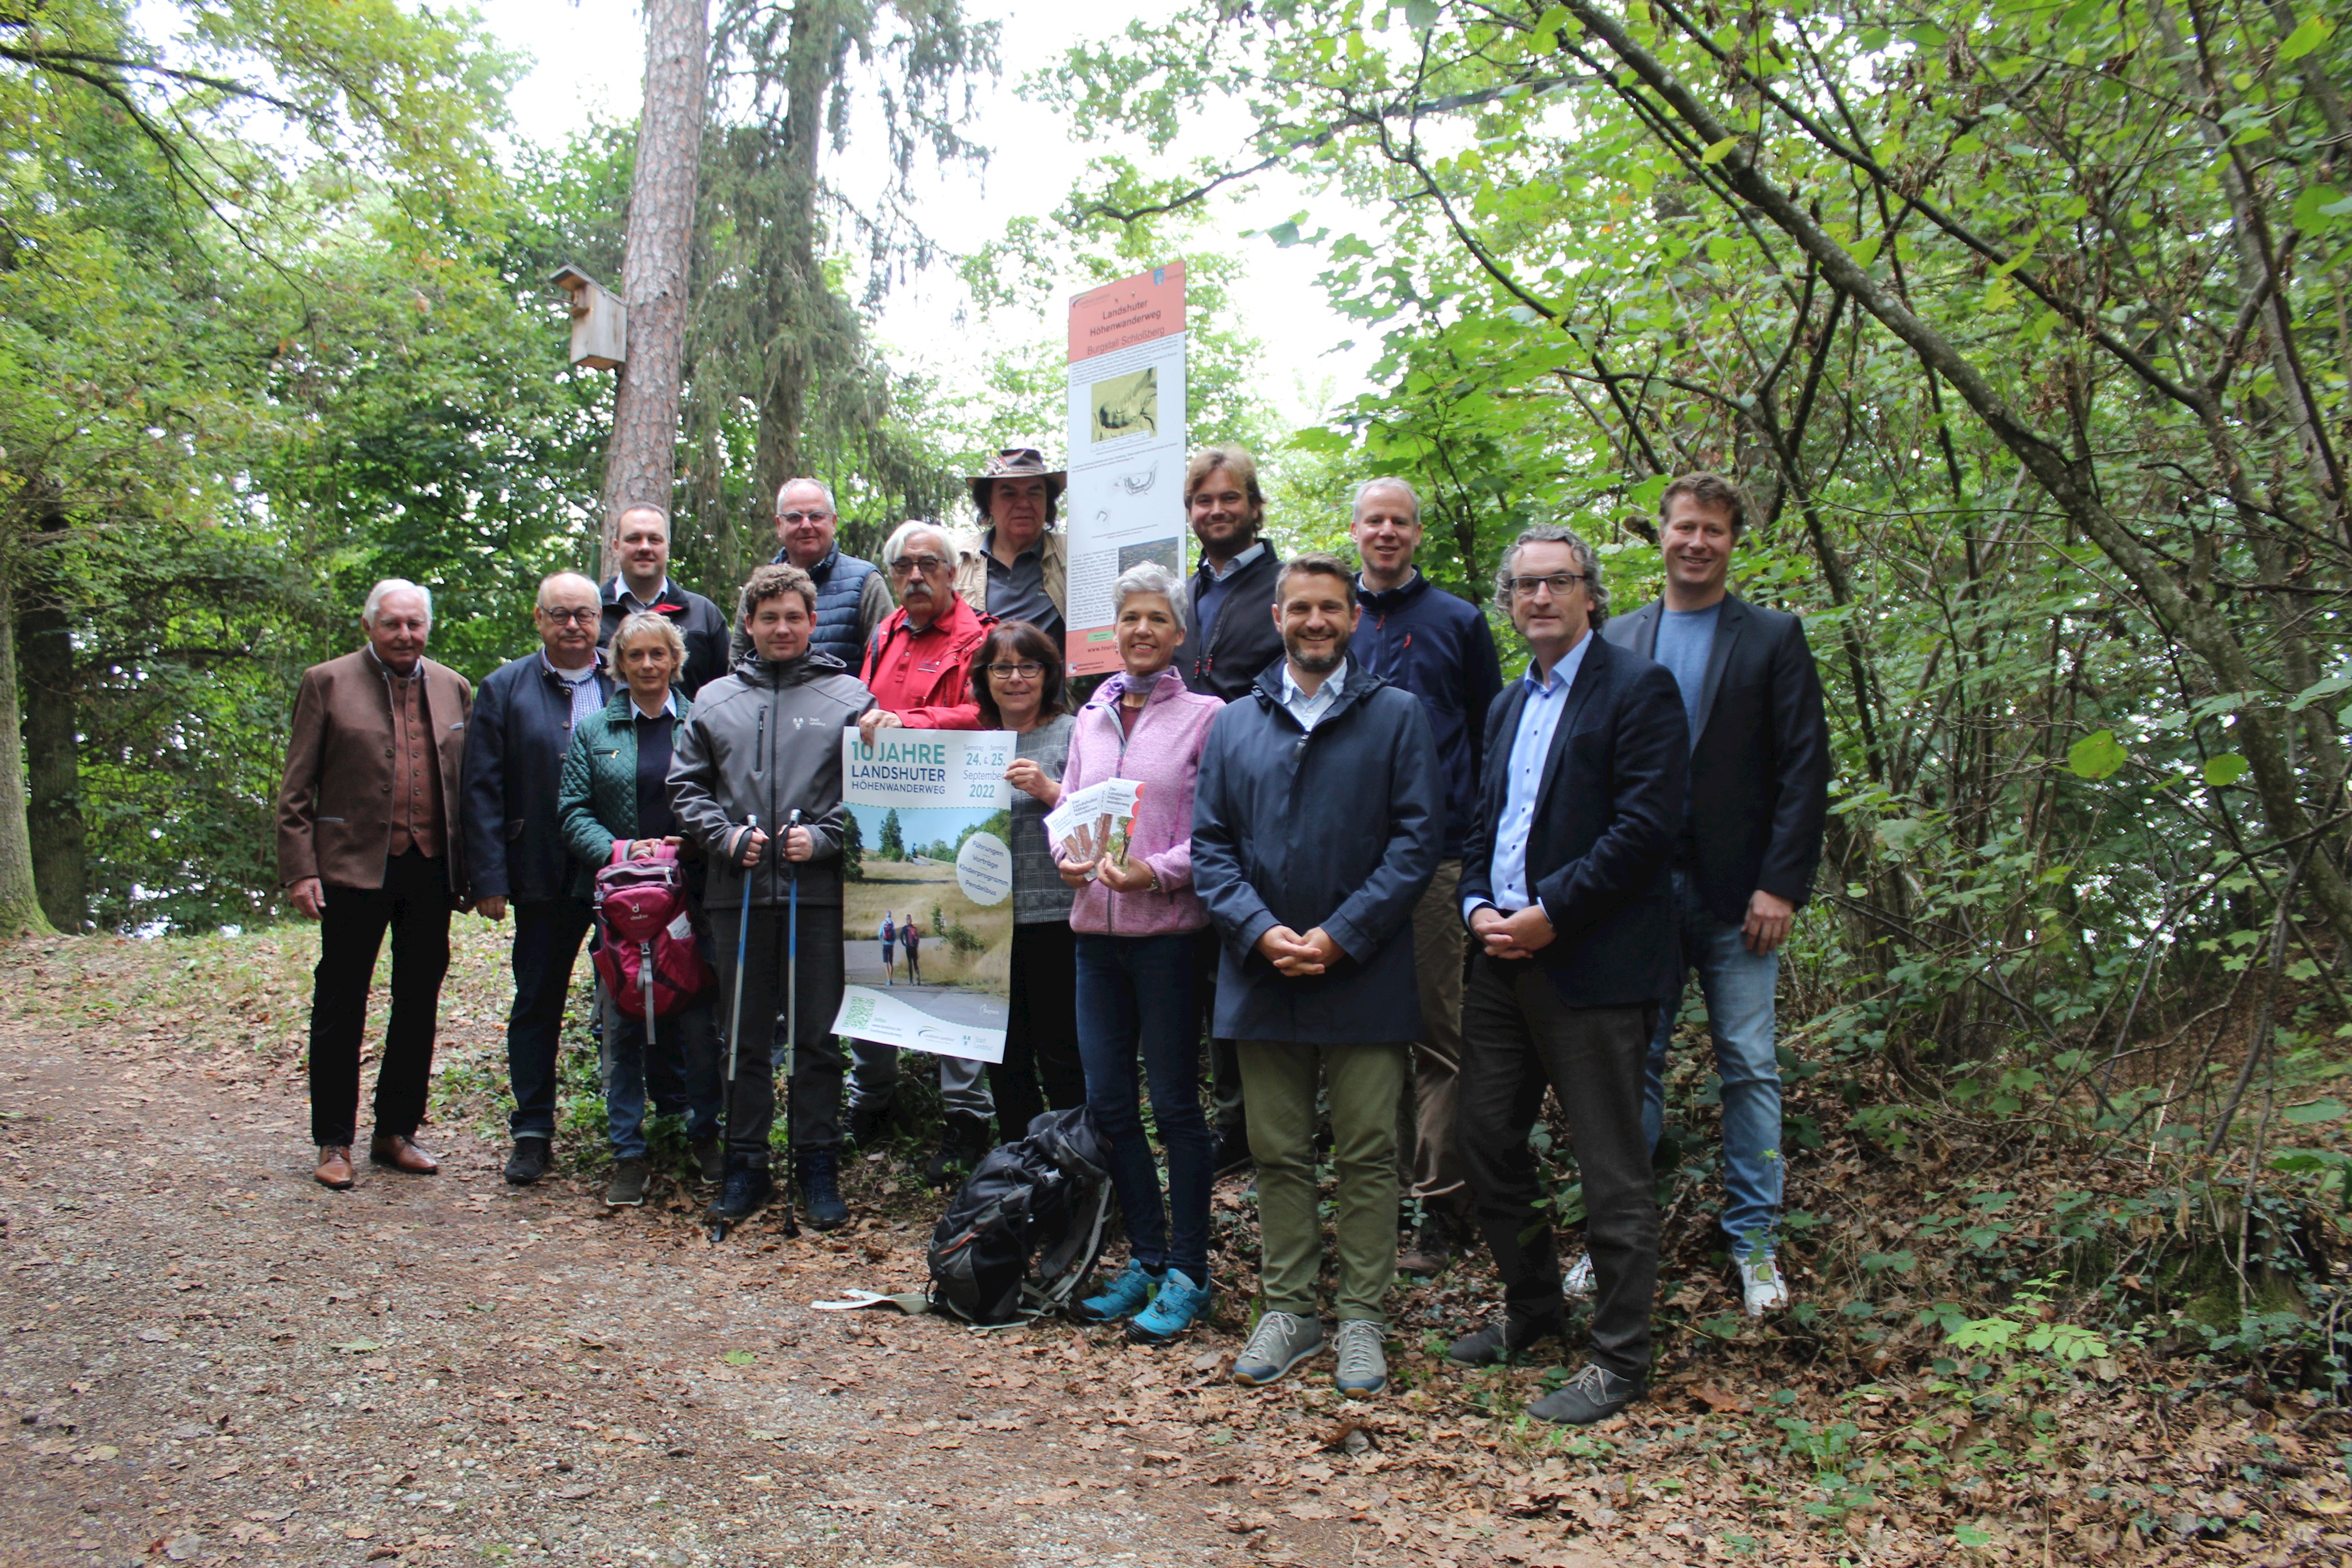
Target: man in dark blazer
{"type": "Point", "coordinates": [366, 844]}
{"type": "Point", "coordinates": [1566, 892]}
{"type": "Point", "coordinates": [641, 545]}
{"type": "Point", "coordinates": [1747, 845]}
{"type": "Point", "coordinates": [514, 768]}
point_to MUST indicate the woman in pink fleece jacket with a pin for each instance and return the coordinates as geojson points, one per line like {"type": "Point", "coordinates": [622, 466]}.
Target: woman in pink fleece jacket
{"type": "Point", "coordinates": [1136, 923]}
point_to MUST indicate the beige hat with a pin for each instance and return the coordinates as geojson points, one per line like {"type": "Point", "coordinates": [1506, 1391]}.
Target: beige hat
{"type": "Point", "coordinates": [1023, 461]}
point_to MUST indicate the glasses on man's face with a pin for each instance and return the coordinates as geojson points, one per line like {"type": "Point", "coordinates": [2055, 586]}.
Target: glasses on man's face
{"type": "Point", "coordinates": [1027, 672]}
{"type": "Point", "coordinates": [794, 520]}
{"type": "Point", "coordinates": [1560, 582]}
{"type": "Point", "coordinates": [926, 564]}
{"type": "Point", "coordinates": [571, 617]}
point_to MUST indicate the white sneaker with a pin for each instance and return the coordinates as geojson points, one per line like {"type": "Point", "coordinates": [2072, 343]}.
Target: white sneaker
{"type": "Point", "coordinates": [1761, 1285]}
{"type": "Point", "coordinates": [1577, 1284]}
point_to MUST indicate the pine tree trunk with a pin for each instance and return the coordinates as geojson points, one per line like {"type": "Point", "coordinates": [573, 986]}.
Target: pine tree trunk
{"type": "Point", "coordinates": [20, 904]}
{"type": "Point", "coordinates": [640, 464]}
{"type": "Point", "coordinates": [53, 763]}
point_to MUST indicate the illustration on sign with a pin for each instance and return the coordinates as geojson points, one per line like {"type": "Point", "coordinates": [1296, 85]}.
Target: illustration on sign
{"type": "Point", "coordinates": [927, 890]}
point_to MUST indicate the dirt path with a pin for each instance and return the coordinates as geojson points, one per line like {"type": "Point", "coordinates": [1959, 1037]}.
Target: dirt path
{"type": "Point", "coordinates": [211, 1358]}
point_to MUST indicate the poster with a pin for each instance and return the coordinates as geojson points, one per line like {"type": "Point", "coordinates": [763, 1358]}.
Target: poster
{"type": "Point", "coordinates": [927, 848]}
{"type": "Point", "coordinates": [1126, 497]}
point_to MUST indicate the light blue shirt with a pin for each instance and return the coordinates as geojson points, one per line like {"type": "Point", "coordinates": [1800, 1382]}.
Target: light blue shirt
{"type": "Point", "coordinates": [1309, 710]}
{"type": "Point", "coordinates": [1531, 749]}
{"type": "Point", "coordinates": [587, 697]}
{"type": "Point", "coordinates": [1685, 638]}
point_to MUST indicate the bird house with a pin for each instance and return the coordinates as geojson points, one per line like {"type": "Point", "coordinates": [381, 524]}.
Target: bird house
{"type": "Point", "coordinates": [600, 321]}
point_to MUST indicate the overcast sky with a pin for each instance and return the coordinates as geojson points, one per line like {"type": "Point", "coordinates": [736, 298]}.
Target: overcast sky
{"type": "Point", "coordinates": [589, 56]}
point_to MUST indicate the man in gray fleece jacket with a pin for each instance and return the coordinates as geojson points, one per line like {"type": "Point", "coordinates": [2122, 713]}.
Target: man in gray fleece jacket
{"type": "Point", "coordinates": [761, 743]}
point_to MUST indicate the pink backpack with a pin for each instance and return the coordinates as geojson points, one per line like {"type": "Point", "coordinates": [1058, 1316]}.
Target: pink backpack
{"type": "Point", "coordinates": [648, 958]}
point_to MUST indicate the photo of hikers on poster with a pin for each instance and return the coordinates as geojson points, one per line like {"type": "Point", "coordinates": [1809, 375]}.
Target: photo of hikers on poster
{"type": "Point", "coordinates": [927, 867]}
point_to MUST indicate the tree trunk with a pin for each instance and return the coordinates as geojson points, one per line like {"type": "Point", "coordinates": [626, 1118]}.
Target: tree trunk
{"type": "Point", "coordinates": [813, 61]}
{"type": "Point", "coordinates": [640, 464]}
{"type": "Point", "coordinates": [20, 904]}
{"type": "Point", "coordinates": [53, 764]}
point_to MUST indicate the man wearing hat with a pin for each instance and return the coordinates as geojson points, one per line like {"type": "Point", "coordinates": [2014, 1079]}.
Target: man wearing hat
{"type": "Point", "coordinates": [1015, 567]}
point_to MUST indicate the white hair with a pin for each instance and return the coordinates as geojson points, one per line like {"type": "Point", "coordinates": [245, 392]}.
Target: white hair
{"type": "Point", "coordinates": [388, 586]}
{"type": "Point", "coordinates": [1356, 502]}
{"type": "Point", "coordinates": [907, 530]}
{"type": "Point", "coordinates": [1151, 577]}
{"type": "Point", "coordinates": [830, 504]}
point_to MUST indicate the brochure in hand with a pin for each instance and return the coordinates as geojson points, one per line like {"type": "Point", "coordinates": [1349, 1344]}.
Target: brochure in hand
{"type": "Point", "coordinates": [1093, 822]}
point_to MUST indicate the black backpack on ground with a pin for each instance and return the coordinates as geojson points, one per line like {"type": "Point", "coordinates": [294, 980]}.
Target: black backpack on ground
{"type": "Point", "coordinates": [1027, 1225]}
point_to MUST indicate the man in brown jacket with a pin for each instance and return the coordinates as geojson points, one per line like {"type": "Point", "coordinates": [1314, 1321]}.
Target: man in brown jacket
{"type": "Point", "coordinates": [368, 841]}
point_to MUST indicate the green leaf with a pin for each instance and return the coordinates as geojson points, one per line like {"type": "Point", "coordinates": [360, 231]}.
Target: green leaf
{"type": "Point", "coordinates": [1969, 1535]}
{"type": "Point", "coordinates": [2318, 691]}
{"type": "Point", "coordinates": [2096, 756]}
{"type": "Point", "coordinates": [2326, 1109]}
{"type": "Point", "coordinates": [2314, 31]}
{"type": "Point", "coordinates": [2224, 770]}
{"type": "Point", "coordinates": [1420, 16]}
{"type": "Point", "coordinates": [1719, 151]}
{"type": "Point", "coordinates": [739, 1358]}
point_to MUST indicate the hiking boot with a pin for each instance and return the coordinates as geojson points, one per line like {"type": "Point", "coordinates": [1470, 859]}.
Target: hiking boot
{"type": "Point", "coordinates": [819, 1172]}
{"type": "Point", "coordinates": [710, 1159]}
{"type": "Point", "coordinates": [627, 1188]}
{"type": "Point", "coordinates": [869, 1125]}
{"type": "Point", "coordinates": [963, 1143]}
{"type": "Point", "coordinates": [1280, 1342]}
{"type": "Point", "coordinates": [747, 1191]}
{"type": "Point", "coordinates": [334, 1166]}
{"type": "Point", "coordinates": [1576, 1285]}
{"type": "Point", "coordinates": [1364, 1370]}
{"type": "Point", "coordinates": [1594, 1394]}
{"type": "Point", "coordinates": [1232, 1152]}
{"type": "Point", "coordinates": [1127, 1296]}
{"type": "Point", "coordinates": [1508, 1340]}
{"type": "Point", "coordinates": [528, 1162]}
{"type": "Point", "coordinates": [1430, 1250]}
{"type": "Point", "coordinates": [1762, 1287]}
{"type": "Point", "coordinates": [1179, 1304]}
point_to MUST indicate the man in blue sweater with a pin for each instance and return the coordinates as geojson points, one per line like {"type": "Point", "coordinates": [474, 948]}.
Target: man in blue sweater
{"type": "Point", "coordinates": [1437, 646]}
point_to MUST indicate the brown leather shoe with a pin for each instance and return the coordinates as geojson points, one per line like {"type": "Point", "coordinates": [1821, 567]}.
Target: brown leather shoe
{"type": "Point", "coordinates": [402, 1155]}
{"type": "Point", "coordinates": [334, 1166]}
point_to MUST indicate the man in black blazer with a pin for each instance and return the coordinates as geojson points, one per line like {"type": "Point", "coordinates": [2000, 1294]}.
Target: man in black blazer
{"type": "Point", "coordinates": [1565, 889]}
{"type": "Point", "coordinates": [1747, 845]}
{"type": "Point", "coordinates": [515, 740]}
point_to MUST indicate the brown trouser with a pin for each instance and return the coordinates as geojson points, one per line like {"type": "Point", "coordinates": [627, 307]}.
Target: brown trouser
{"type": "Point", "coordinates": [1427, 1165]}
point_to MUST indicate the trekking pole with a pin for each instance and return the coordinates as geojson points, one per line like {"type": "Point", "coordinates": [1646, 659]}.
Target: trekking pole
{"type": "Point", "coordinates": [735, 1016]}
{"type": "Point", "coordinates": [791, 1009]}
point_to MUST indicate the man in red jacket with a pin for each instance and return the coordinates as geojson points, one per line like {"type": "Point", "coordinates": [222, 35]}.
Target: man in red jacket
{"type": "Point", "coordinates": [919, 661]}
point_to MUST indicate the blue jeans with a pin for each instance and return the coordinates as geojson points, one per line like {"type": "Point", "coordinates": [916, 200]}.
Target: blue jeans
{"type": "Point", "coordinates": [685, 1070]}
{"type": "Point", "coordinates": [1135, 999]}
{"type": "Point", "coordinates": [1738, 986]}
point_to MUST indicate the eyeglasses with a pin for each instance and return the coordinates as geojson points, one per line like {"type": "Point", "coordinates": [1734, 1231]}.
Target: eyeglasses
{"type": "Point", "coordinates": [570, 617]}
{"type": "Point", "coordinates": [1027, 672]}
{"type": "Point", "coordinates": [802, 517]}
{"type": "Point", "coordinates": [926, 564]}
{"type": "Point", "coordinates": [1560, 582]}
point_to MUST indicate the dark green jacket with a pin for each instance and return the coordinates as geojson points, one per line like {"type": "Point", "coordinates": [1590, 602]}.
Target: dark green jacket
{"type": "Point", "coordinates": [597, 800]}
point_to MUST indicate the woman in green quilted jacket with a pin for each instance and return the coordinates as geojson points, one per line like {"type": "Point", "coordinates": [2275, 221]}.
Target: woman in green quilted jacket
{"type": "Point", "coordinates": [616, 791]}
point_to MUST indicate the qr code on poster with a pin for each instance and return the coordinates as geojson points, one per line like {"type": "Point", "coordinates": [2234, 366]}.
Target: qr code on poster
{"type": "Point", "coordinates": [860, 1012]}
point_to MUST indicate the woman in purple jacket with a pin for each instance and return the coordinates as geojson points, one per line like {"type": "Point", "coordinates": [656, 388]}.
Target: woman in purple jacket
{"type": "Point", "coordinates": [1136, 921]}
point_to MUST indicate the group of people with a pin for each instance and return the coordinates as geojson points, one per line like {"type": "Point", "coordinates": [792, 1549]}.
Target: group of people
{"type": "Point", "coordinates": [1387, 890]}
{"type": "Point", "coordinates": [896, 933]}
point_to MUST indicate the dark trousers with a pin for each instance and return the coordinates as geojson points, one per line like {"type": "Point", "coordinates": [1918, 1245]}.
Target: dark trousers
{"type": "Point", "coordinates": [1041, 1030]}
{"type": "Point", "coordinates": [548, 935]}
{"type": "Point", "coordinates": [818, 1062]}
{"type": "Point", "coordinates": [1519, 1037]}
{"type": "Point", "coordinates": [413, 905]}
{"type": "Point", "coordinates": [1224, 1059]}
{"type": "Point", "coordinates": [1135, 1001]}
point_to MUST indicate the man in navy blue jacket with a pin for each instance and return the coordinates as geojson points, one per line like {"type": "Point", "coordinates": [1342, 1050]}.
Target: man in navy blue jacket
{"type": "Point", "coordinates": [515, 741]}
{"type": "Point", "coordinates": [1437, 646]}
{"type": "Point", "coordinates": [1316, 826]}
{"type": "Point", "coordinates": [1565, 890]}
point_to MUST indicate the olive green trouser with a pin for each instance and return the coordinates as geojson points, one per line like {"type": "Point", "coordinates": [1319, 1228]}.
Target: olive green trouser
{"type": "Point", "coordinates": [1278, 1077]}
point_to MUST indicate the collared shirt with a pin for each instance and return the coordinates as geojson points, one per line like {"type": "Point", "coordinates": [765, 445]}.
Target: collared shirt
{"type": "Point", "coordinates": [655, 734]}
{"type": "Point", "coordinates": [1530, 749]}
{"type": "Point", "coordinates": [1017, 593]}
{"type": "Point", "coordinates": [415, 787]}
{"type": "Point", "coordinates": [1213, 592]}
{"type": "Point", "coordinates": [668, 707]}
{"type": "Point", "coordinates": [625, 597]}
{"type": "Point", "coordinates": [586, 697]}
{"type": "Point", "coordinates": [1309, 710]}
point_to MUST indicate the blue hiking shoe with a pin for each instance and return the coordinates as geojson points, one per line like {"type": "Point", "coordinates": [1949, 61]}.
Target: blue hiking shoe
{"type": "Point", "coordinates": [1128, 1295]}
{"type": "Point", "coordinates": [1179, 1304]}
